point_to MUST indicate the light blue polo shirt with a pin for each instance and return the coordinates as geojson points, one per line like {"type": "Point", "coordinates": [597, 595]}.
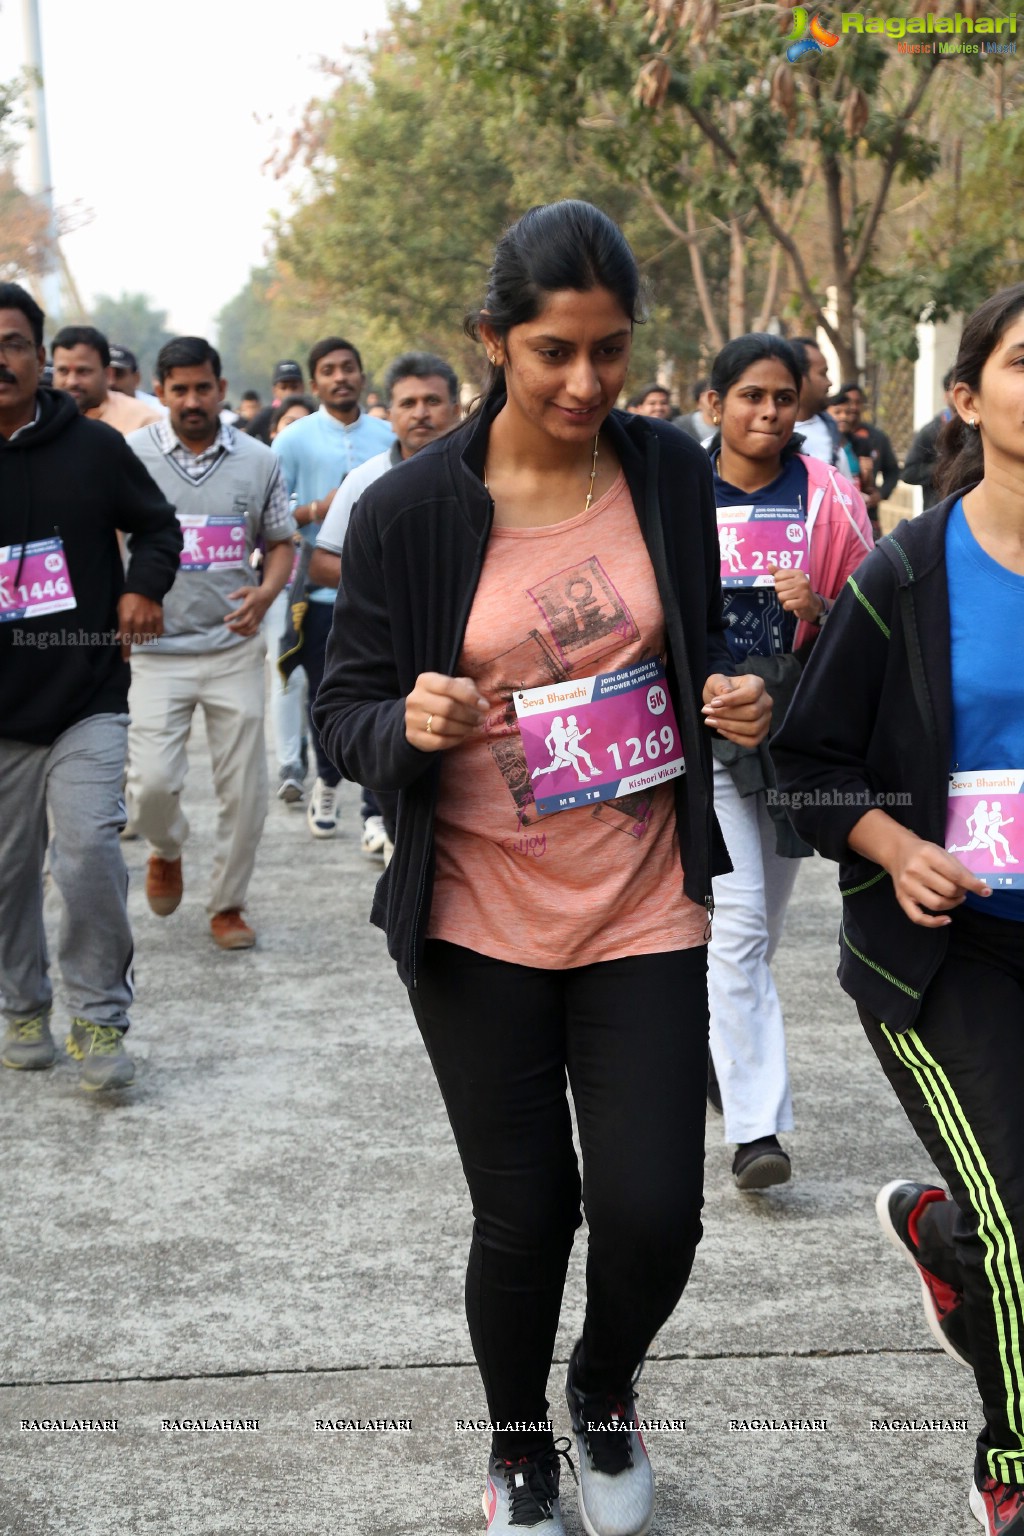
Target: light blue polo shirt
{"type": "Point", "coordinates": [316, 454]}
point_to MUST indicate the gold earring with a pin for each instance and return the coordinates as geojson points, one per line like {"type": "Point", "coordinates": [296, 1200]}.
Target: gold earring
{"type": "Point", "coordinates": [715, 420]}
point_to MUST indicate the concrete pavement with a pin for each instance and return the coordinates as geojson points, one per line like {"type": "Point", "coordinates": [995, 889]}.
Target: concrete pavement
{"type": "Point", "coordinates": [271, 1225]}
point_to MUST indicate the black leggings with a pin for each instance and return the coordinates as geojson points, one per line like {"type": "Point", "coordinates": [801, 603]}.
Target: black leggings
{"type": "Point", "coordinates": [632, 1035]}
{"type": "Point", "coordinates": [959, 1074]}
{"type": "Point", "coordinates": [316, 630]}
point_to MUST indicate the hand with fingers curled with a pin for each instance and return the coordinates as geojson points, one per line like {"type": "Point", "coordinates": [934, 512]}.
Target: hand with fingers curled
{"type": "Point", "coordinates": [795, 593]}
{"type": "Point", "coordinates": [739, 708]}
{"type": "Point", "coordinates": [441, 711]}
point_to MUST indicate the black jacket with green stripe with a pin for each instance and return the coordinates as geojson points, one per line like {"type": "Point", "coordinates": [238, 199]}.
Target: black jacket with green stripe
{"type": "Point", "coordinates": [871, 725]}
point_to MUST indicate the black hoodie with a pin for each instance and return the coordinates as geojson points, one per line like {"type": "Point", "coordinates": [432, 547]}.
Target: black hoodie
{"type": "Point", "coordinates": [79, 480]}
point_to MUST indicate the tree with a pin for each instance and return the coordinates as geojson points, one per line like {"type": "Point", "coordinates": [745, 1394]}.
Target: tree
{"type": "Point", "coordinates": [414, 177]}
{"type": "Point", "coordinates": [25, 240]}
{"type": "Point", "coordinates": [273, 317]}
{"type": "Point", "coordinates": [132, 321]}
{"type": "Point", "coordinates": [695, 102]}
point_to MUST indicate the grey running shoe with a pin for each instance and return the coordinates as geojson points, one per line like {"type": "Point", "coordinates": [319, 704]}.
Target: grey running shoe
{"type": "Point", "coordinates": [616, 1481]}
{"type": "Point", "coordinates": [523, 1495]}
{"type": "Point", "coordinates": [100, 1049]}
{"type": "Point", "coordinates": [28, 1045]}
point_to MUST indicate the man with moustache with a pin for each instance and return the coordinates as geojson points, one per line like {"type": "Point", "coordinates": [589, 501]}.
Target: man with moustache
{"type": "Point", "coordinates": [316, 454]}
{"type": "Point", "coordinates": [230, 497]}
{"type": "Point", "coordinates": [422, 394]}
{"type": "Point", "coordinates": [82, 367]}
{"type": "Point", "coordinates": [69, 613]}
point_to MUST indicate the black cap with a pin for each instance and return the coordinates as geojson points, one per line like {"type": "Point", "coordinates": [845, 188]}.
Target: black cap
{"type": "Point", "coordinates": [287, 370]}
{"type": "Point", "coordinates": [123, 357]}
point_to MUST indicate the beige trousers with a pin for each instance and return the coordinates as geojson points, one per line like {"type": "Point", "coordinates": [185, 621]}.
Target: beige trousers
{"type": "Point", "coordinates": [165, 692]}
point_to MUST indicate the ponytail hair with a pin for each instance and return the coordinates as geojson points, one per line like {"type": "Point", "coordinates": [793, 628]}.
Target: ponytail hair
{"type": "Point", "coordinates": [961, 461]}
{"type": "Point", "coordinates": [570, 244]}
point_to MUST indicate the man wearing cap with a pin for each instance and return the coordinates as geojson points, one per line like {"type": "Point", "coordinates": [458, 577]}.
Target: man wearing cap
{"type": "Point", "coordinates": [286, 384]}
{"type": "Point", "coordinates": [126, 378]}
{"type": "Point", "coordinates": [81, 366]}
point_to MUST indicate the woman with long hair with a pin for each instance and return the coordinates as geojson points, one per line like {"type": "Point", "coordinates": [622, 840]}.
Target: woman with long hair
{"type": "Point", "coordinates": [791, 530]}
{"type": "Point", "coordinates": [906, 742]}
{"type": "Point", "coordinates": [552, 557]}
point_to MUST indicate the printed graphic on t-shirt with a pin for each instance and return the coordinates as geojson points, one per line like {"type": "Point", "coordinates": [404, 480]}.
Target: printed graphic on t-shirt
{"type": "Point", "coordinates": [985, 825]}
{"type": "Point", "coordinates": [584, 613]}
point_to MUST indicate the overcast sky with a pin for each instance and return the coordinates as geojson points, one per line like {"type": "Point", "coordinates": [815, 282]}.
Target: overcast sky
{"type": "Point", "coordinates": [160, 118]}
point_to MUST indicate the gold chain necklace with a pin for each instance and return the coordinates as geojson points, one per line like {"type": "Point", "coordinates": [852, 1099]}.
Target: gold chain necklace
{"type": "Point", "coordinates": [593, 475]}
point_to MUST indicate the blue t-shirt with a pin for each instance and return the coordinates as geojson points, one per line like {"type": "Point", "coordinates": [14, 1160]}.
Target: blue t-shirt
{"type": "Point", "coordinates": [986, 611]}
{"type": "Point", "coordinates": [316, 454]}
{"type": "Point", "coordinates": [756, 622]}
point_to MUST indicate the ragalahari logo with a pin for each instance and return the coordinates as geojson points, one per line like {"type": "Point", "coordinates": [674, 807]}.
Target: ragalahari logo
{"type": "Point", "coordinates": [802, 45]}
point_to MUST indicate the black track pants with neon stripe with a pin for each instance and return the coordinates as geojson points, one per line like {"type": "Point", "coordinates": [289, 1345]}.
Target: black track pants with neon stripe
{"type": "Point", "coordinates": [959, 1074]}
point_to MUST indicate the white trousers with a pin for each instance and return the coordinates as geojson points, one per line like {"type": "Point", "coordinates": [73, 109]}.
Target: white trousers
{"type": "Point", "coordinates": [166, 690]}
{"type": "Point", "coordinates": [748, 1042]}
{"type": "Point", "coordinates": [287, 700]}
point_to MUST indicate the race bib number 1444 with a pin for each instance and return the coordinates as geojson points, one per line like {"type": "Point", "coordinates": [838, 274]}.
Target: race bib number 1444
{"type": "Point", "coordinates": [596, 738]}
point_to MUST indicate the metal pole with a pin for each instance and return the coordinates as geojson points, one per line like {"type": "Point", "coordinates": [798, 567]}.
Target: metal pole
{"type": "Point", "coordinates": [40, 179]}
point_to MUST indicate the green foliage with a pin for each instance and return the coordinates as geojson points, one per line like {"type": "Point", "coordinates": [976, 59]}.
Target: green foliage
{"type": "Point", "coordinates": [131, 320]}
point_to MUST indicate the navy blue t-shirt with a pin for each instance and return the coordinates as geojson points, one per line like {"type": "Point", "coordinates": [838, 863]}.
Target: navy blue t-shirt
{"type": "Point", "coordinates": [756, 622]}
{"type": "Point", "coordinates": [986, 612]}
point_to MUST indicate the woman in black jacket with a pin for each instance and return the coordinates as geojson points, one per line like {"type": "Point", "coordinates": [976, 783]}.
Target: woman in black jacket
{"type": "Point", "coordinates": [528, 613]}
{"type": "Point", "coordinates": [902, 756]}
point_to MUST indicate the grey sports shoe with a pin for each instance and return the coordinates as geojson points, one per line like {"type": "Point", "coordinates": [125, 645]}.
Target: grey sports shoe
{"type": "Point", "coordinates": [100, 1049]}
{"type": "Point", "coordinates": [616, 1481]}
{"type": "Point", "coordinates": [523, 1495]}
{"type": "Point", "coordinates": [28, 1045]}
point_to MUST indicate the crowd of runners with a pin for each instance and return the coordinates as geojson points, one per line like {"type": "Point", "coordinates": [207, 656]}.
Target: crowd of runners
{"type": "Point", "coordinates": [677, 646]}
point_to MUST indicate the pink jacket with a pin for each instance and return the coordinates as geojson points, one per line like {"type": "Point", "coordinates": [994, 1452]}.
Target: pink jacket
{"type": "Point", "coordinates": [838, 531]}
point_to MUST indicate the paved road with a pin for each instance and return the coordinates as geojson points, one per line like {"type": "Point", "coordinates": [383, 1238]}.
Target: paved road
{"type": "Point", "coordinates": [271, 1226]}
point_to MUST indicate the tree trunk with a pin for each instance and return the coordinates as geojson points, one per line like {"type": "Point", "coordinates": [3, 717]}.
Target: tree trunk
{"type": "Point", "coordinates": [737, 279]}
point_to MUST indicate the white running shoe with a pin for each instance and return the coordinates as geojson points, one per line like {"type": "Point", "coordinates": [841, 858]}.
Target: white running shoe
{"type": "Point", "coordinates": [616, 1481]}
{"type": "Point", "coordinates": [322, 811]}
{"type": "Point", "coordinates": [523, 1495]}
{"type": "Point", "coordinates": [375, 837]}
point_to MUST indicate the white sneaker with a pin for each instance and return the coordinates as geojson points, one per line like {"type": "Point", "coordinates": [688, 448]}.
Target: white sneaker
{"type": "Point", "coordinates": [322, 811]}
{"type": "Point", "coordinates": [375, 837]}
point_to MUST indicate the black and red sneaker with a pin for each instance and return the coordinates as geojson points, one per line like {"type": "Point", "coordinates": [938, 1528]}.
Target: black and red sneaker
{"type": "Point", "coordinates": [899, 1206]}
{"type": "Point", "coordinates": [998, 1506]}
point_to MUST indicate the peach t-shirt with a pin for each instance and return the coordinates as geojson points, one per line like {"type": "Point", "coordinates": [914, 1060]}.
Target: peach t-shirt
{"type": "Point", "coordinates": [592, 883]}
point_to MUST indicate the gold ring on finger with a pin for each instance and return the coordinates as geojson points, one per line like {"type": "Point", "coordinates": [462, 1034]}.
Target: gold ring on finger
{"type": "Point", "coordinates": [430, 728]}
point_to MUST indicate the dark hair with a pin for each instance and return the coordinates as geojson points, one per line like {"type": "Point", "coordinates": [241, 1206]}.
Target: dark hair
{"type": "Point", "coordinates": [845, 389]}
{"type": "Point", "coordinates": [698, 389]}
{"type": "Point", "coordinates": [13, 296]}
{"type": "Point", "coordinates": [286, 406]}
{"type": "Point", "coordinates": [332, 344]}
{"type": "Point", "coordinates": [82, 336]}
{"type": "Point", "coordinates": [251, 394]}
{"type": "Point", "coordinates": [420, 365]}
{"type": "Point", "coordinates": [799, 345]}
{"type": "Point", "coordinates": [961, 460]}
{"type": "Point", "coordinates": [186, 352]}
{"type": "Point", "coordinates": [570, 244]}
{"type": "Point", "coordinates": [742, 353]}
{"type": "Point", "coordinates": [948, 377]}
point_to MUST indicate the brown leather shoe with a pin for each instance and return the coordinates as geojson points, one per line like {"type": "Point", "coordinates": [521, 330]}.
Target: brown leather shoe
{"type": "Point", "coordinates": [231, 931]}
{"type": "Point", "coordinates": [163, 885]}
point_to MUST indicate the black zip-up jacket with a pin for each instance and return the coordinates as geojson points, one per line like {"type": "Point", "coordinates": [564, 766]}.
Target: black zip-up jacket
{"type": "Point", "coordinates": [872, 717]}
{"type": "Point", "coordinates": [79, 479]}
{"type": "Point", "coordinates": [410, 567]}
